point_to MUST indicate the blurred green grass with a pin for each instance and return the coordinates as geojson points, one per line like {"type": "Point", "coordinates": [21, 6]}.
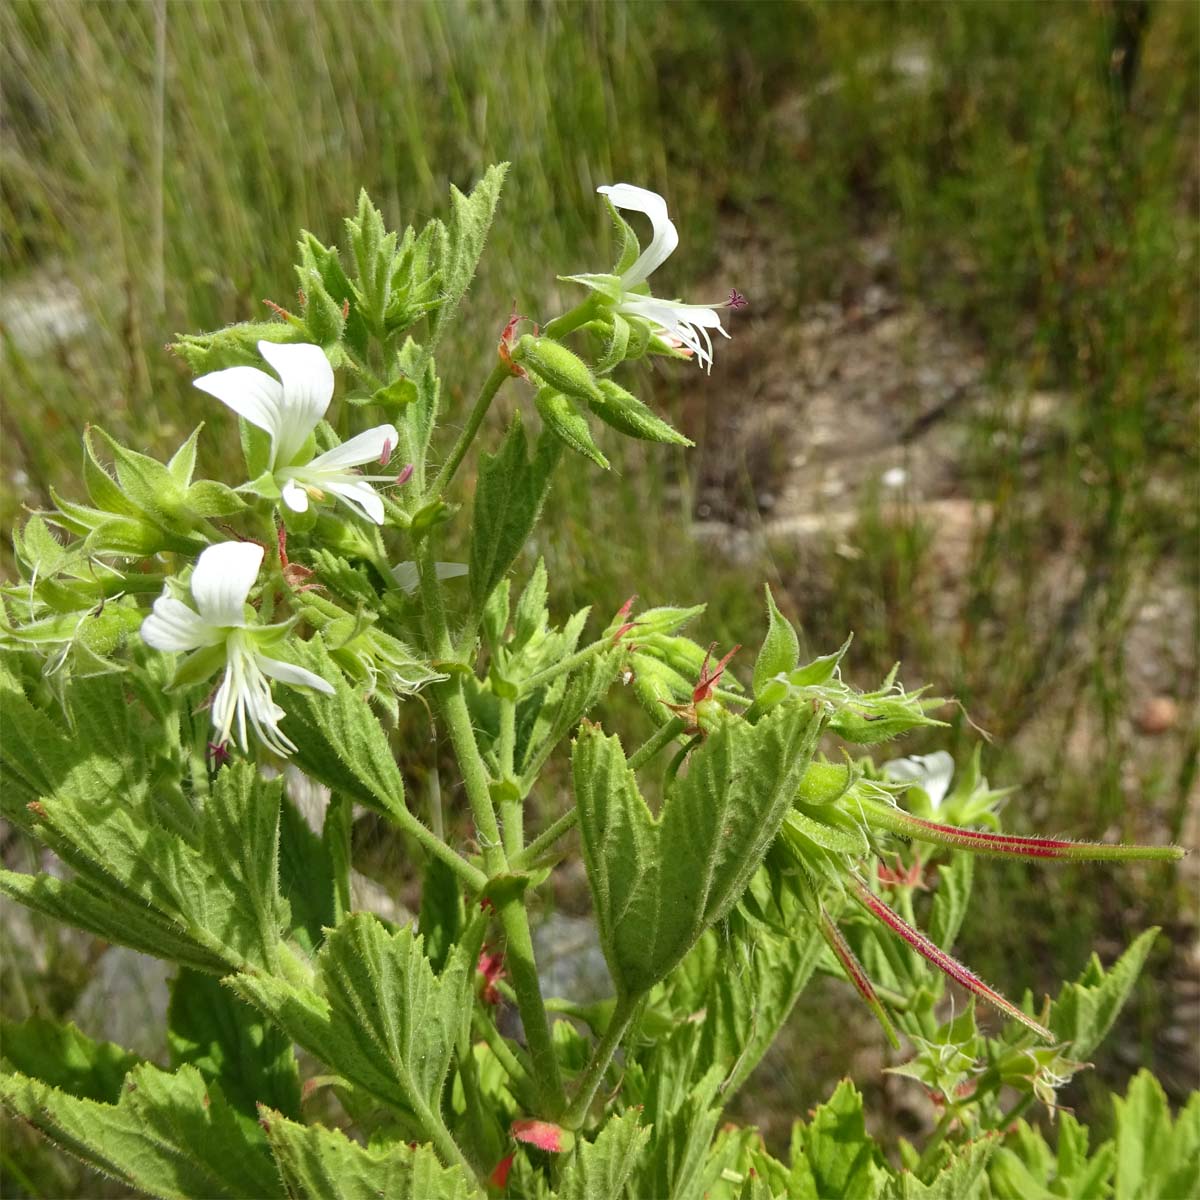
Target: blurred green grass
{"type": "Point", "coordinates": [1031, 166]}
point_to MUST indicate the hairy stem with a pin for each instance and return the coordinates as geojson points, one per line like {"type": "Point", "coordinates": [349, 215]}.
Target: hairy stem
{"type": "Point", "coordinates": [514, 920]}
{"type": "Point", "coordinates": [491, 385]}
{"type": "Point", "coordinates": [589, 1081]}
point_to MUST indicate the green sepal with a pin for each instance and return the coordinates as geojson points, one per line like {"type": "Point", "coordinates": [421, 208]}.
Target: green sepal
{"type": "Point", "coordinates": [198, 666]}
{"type": "Point", "coordinates": [563, 419]}
{"type": "Point", "coordinates": [628, 415]}
{"type": "Point", "coordinates": [780, 649]}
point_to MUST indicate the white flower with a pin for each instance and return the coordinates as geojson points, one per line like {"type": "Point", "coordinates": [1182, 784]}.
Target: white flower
{"type": "Point", "coordinates": [218, 629]}
{"type": "Point", "coordinates": [930, 772]}
{"type": "Point", "coordinates": [407, 576]}
{"type": "Point", "coordinates": [288, 408]}
{"type": "Point", "coordinates": [685, 325]}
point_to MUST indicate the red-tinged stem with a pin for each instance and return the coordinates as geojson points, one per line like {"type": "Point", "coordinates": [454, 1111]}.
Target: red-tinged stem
{"type": "Point", "coordinates": [857, 976]}
{"type": "Point", "coordinates": [944, 962]}
{"type": "Point", "coordinates": [1006, 845]}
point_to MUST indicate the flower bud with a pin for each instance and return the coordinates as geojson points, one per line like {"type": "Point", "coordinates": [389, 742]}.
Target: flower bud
{"type": "Point", "coordinates": [557, 365]}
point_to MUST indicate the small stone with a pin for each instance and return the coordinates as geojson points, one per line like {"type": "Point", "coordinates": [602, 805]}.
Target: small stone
{"type": "Point", "coordinates": [1157, 715]}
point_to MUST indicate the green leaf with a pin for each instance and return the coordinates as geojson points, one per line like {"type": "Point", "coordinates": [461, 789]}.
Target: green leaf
{"type": "Point", "coordinates": [833, 1155]}
{"type": "Point", "coordinates": [217, 884]}
{"type": "Point", "coordinates": [1156, 1160]}
{"type": "Point", "coordinates": [599, 1170]}
{"type": "Point", "coordinates": [441, 919]}
{"type": "Point", "coordinates": [336, 745]}
{"type": "Point", "coordinates": [109, 913]}
{"type": "Point", "coordinates": [961, 1179]}
{"type": "Point", "coordinates": [562, 418]}
{"type": "Point", "coordinates": [780, 649]}
{"type": "Point", "coordinates": [168, 1135]}
{"type": "Point", "coordinates": [950, 903]}
{"type": "Point", "coordinates": [531, 616]}
{"type": "Point", "coordinates": [228, 1041]}
{"type": "Point", "coordinates": [1085, 1010]}
{"type": "Point", "coordinates": [320, 1164]}
{"type": "Point", "coordinates": [380, 1017]}
{"type": "Point", "coordinates": [236, 345]}
{"type": "Point", "coordinates": [624, 412]}
{"type": "Point", "coordinates": [470, 220]}
{"type": "Point", "coordinates": [508, 498]}
{"type": "Point", "coordinates": [65, 1058]}
{"type": "Point", "coordinates": [658, 884]}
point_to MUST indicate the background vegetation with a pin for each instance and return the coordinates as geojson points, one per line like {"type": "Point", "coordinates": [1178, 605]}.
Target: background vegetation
{"type": "Point", "coordinates": [959, 416]}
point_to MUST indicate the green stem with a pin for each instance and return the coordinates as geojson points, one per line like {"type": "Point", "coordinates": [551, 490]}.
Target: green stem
{"type": "Point", "coordinates": [513, 919]}
{"type": "Point", "coordinates": [581, 314]}
{"type": "Point", "coordinates": [567, 664]}
{"type": "Point", "coordinates": [935, 1140]}
{"type": "Point", "coordinates": [491, 385]}
{"type": "Point", "coordinates": [544, 840]}
{"type": "Point", "coordinates": [664, 736]}
{"type": "Point", "coordinates": [449, 1150]}
{"type": "Point", "coordinates": [589, 1081]}
{"type": "Point", "coordinates": [505, 1056]}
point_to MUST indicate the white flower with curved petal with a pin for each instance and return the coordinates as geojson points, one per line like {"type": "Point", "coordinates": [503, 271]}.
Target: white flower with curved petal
{"type": "Point", "coordinates": [221, 582]}
{"type": "Point", "coordinates": [288, 409]}
{"type": "Point", "coordinates": [932, 773]}
{"type": "Point", "coordinates": [673, 320]}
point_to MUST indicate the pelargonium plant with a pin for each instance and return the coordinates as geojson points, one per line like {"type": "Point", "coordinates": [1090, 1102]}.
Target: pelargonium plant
{"type": "Point", "coordinates": [186, 658]}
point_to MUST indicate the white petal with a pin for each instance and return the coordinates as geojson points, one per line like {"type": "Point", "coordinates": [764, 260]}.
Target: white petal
{"type": "Point", "coordinates": [666, 236]}
{"type": "Point", "coordinates": [287, 672]}
{"type": "Point", "coordinates": [251, 393]}
{"type": "Point", "coordinates": [930, 772]}
{"type": "Point", "coordinates": [307, 390]}
{"type": "Point", "coordinates": [359, 495]}
{"type": "Point", "coordinates": [450, 570]}
{"type": "Point", "coordinates": [222, 580]}
{"type": "Point", "coordinates": [363, 448]}
{"type": "Point", "coordinates": [174, 626]}
{"type": "Point", "coordinates": [406, 576]}
{"type": "Point", "coordinates": [295, 497]}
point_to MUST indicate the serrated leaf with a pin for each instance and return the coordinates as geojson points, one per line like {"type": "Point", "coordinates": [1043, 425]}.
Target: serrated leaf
{"type": "Point", "coordinates": [950, 903]}
{"type": "Point", "coordinates": [168, 1135]}
{"type": "Point", "coordinates": [531, 615]}
{"type": "Point", "coordinates": [379, 1016]}
{"type": "Point", "coordinates": [335, 745]}
{"type": "Point", "coordinates": [1156, 1158]}
{"type": "Point", "coordinates": [318, 1163]}
{"type": "Point", "coordinates": [599, 1170]}
{"type": "Point", "coordinates": [962, 1178]}
{"type": "Point", "coordinates": [111, 914]}
{"type": "Point", "coordinates": [228, 1041]}
{"type": "Point", "coordinates": [64, 1058]}
{"type": "Point", "coordinates": [658, 884]}
{"type": "Point", "coordinates": [1085, 1010]}
{"type": "Point", "coordinates": [466, 233]}
{"type": "Point", "coordinates": [509, 494]}
{"type": "Point", "coordinates": [833, 1155]}
{"type": "Point", "coordinates": [235, 345]}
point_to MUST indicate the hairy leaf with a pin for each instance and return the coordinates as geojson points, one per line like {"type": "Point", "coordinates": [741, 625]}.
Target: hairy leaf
{"type": "Point", "coordinates": [658, 884]}
{"type": "Point", "coordinates": [168, 1135]}
{"type": "Point", "coordinates": [598, 1170]}
{"type": "Point", "coordinates": [318, 1163]}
